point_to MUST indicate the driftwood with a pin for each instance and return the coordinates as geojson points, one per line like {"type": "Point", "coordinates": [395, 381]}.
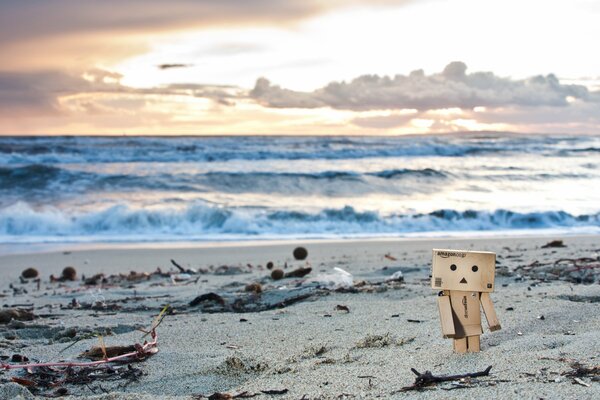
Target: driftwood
{"type": "Point", "coordinates": [428, 379]}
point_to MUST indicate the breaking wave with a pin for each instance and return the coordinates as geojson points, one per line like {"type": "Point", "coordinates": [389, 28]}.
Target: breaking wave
{"type": "Point", "coordinates": [23, 223]}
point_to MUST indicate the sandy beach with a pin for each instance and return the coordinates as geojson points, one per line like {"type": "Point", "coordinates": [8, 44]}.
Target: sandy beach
{"type": "Point", "coordinates": [325, 335]}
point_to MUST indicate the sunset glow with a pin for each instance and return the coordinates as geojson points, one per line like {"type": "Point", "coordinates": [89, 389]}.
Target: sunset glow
{"type": "Point", "coordinates": [298, 67]}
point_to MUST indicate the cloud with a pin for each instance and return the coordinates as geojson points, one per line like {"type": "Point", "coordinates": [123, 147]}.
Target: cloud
{"type": "Point", "coordinates": [21, 20]}
{"type": "Point", "coordinates": [447, 101]}
{"type": "Point", "coordinates": [39, 93]}
{"type": "Point", "coordinates": [174, 65]}
{"type": "Point", "coordinates": [453, 87]}
{"type": "Point", "coordinates": [50, 34]}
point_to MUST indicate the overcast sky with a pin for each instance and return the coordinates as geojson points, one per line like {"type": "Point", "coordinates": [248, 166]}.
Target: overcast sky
{"type": "Point", "coordinates": [299, 66]}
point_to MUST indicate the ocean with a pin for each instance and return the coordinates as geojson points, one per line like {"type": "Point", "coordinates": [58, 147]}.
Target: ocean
{"type": "Point", "coordinates": [159, 189]}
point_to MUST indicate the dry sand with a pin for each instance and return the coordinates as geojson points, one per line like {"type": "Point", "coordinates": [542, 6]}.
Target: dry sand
{"type": "Point", "coordinates": [309, 347]}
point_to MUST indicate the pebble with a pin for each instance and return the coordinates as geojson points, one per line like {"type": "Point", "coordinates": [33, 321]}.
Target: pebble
{"type": "Point", "coordinates": [30, 273]}
{"type": "Point", "coordinates": [277, 274]}
{"type": "Point", "coordinates": [254, 287]}
{"type": "Point", "coordinates": [300, 253]}
{"type": "Point", "coordinates": [69, 274]}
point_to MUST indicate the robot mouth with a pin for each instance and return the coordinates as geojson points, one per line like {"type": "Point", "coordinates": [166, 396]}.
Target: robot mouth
{"type": "Point", "coordinates": [463, 280]}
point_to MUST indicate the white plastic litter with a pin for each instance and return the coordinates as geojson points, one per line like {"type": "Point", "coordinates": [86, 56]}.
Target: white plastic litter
{"type": "Point", "coordinates": [338, 278]}
{"type": "Point", "coordinates": [396, 276]}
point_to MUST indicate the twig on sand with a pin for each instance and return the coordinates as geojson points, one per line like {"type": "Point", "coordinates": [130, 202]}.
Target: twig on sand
{"type": "Point", "coordinates": [148, 348]}
{"type": "Point", "coordinates": [428, 379]}
{"type": "Point", "coordinates": [179, 267]}
{"type": "Point", "coordinates": [141, 351]}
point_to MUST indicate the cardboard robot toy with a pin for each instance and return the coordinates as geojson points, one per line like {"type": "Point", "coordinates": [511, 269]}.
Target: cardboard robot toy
{"type": "Point", "coordinates": [464, 280]}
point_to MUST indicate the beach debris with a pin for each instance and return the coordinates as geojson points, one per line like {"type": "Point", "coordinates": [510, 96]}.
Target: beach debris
{"type": "Point", "coordinates": [575, 270]}
{"type": "Point", "coordinates": [298, 273]}
{"type": "Point", "coordinates": [102, 352]}
{"type": "Point", "coordinates": [277, 274]}
{"type": "Point", "coordinates": [17, 314]}
{"type": "Point", "coordinates": [42, 377]}
{"type": "Point", "coordinates": [230, 270]}
{"type": "Point", "coordinates": [225, 396]}
{"type": "Point", "coordinates": [341, 307]}
{"type": "Point", "coordinates": [395, 277]}
{"type": "Point", "coordinates": [390, 257]}
{"type": "Point", "coordinates": [94, 279]}
{"type": "Point", "coordinates": [207, 297]}
{"type": "Point", "coordinates": [270, 265]}
{"type": "Point", "coordinates": [580, 370]}
{"type": "Point", "coordinates": [242, 302]}
{"type": "Point", "coordinates": [300, 253]}
{"type": "Point", "coordinates": [30, 273]}
{"type": "Point", "coordinates": [190, 271]}
{"type": "Point", "coordinates": [68, 274]}
{"type": "Point", "coordinates": [254, 287]}
{"type": "Point", "coordinates": [336, 279]}
{"type": "Point", "coordinates": [275, 391]}
{"type": "Point", "coordinates": [379, 341]}
{"type": "Point", "coordinates": [580, 382]}
{"type": "Point", "coordinates": [242, 395]}
{"type": "Point", "coordinates": [553, 244]}
{"type": "Point", "coordinates": [179, 267]}
{"type": "Point", "coordinates": [19, 358]}
{"type": "Point", "coordinates": [580, 299]}
{"type": "Point", "coordinates": [426, 379]}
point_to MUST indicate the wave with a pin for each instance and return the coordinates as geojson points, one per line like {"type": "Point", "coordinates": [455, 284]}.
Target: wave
{"type": "Point", "coordinates": [397, 173]}
{"type": "Point", "coordinates": [23, 223]}
{"type": "Point", "coordinates": [55, 150]}
{"type": "Point", "coordinates": [35, 178]}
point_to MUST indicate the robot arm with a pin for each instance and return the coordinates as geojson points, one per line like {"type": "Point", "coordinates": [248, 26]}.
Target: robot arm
{"type": "Point", "coordinates": [490, 313]}
{"type": "Point", "coordinates": [446, 315]}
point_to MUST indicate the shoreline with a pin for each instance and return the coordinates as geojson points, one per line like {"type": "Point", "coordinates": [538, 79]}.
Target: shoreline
{"type": "Point", "coordinates": [293, 334]}
{"type": "Point", "coordinates": [11, 249]}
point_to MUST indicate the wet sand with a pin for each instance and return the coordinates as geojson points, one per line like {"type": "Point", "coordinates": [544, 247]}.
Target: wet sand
{"type": "Point", "coordinates": [294, 335]}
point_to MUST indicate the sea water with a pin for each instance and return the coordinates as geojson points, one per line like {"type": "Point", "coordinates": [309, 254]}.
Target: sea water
{"type": "Point", "coordinates": [151, 189]}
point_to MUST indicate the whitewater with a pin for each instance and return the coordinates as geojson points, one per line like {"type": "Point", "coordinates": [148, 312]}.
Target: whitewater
{"type": "Point", "coordinates": [150, 189]}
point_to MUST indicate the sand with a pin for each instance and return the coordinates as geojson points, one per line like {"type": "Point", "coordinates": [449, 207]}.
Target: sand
{"type": "Point", "coordinates": [311, 347]}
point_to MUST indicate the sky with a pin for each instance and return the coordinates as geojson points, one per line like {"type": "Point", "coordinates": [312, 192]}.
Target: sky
{"type": "Point", "coordinates": [292, 67]}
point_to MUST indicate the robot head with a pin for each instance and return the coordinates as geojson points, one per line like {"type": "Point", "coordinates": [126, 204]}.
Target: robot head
{"type": "Point", "coordinates": [471, 271]}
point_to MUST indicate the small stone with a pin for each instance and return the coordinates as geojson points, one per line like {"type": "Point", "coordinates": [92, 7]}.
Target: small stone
{"type": "Point", "coordinates": [300, 253]}
{"type": "Point", "coordinates": [554, 243]}
{"type": "Point", "coordinates": [277, 274]}
{"type": "Point", "coordinates": [30, 273]}
{"type": "Point", "coordinates": [298, 273]}
{"type": "Point", "coordinates": [16, 314]}
{"type": "Point", "coordinates": [254, 287]}
{"type": "Point", "coordinates": [18, 358]}
{"type": "Point", "coordinates": [270, 265]}
{"type": "Point", "coordinates": [69, 274]}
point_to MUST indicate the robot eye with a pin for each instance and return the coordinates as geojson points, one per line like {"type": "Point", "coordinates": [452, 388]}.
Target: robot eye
{"type": "Point", "coordinates": [453, 267]}
{"type": "Point", "coordinates": [474, 268]}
